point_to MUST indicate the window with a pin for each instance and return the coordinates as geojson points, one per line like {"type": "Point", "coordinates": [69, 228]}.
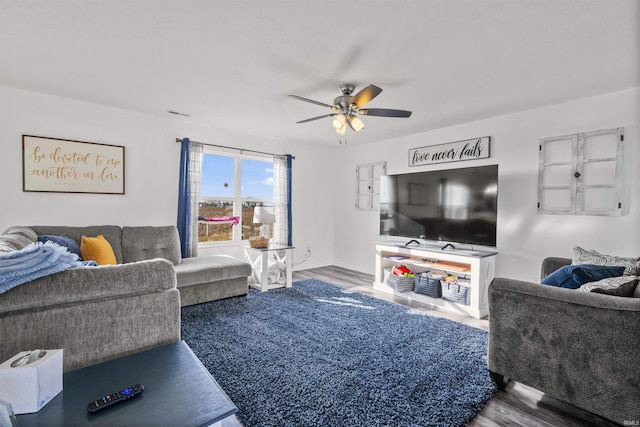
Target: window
{"type": "Point", "coordinates": [581, 174]}
{"type": "Point", "coordinates": [232, 186]}
{"type": "Point", "coordinates": [368, 185]}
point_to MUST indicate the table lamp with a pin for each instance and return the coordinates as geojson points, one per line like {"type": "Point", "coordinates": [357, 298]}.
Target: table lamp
{"type": "Point", "coordinates": [263, 215]}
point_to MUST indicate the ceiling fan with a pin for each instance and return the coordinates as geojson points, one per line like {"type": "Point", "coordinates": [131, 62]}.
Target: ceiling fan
{"type": "Point", "coordinates": [346, 108]}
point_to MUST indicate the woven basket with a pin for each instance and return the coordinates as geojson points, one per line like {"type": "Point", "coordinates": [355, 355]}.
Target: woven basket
{"type": "Point", "coordinates": [258, 242]}
{"type": "Point", "coordinates": [428, 285]}
{"type": "Point", "coordinates": [454, 292]}
{"type": "Point", "coordinates": [398, 283]}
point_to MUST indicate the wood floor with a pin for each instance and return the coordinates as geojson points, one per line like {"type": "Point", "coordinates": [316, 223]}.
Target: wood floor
{"type": "Point", "coordinates": [517, 405]}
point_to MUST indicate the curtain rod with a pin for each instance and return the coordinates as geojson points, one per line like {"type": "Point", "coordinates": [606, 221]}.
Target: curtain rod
{"type": "Point", "coordinates": [241, 150]}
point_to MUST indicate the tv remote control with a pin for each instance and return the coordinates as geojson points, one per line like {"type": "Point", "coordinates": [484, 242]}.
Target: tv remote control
{"type": "Point", "coordinates": [114, 398]}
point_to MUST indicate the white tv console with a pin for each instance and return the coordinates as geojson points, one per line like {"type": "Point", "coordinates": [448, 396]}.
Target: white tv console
{"type": "Point", "coordinates": [477, 266]}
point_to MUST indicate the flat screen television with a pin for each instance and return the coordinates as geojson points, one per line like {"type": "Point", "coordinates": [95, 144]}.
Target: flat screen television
{"type": "Point", "coordinates": [452, 205]}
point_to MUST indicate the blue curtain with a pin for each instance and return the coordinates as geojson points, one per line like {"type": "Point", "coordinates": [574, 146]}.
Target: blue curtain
{"type": "Point", "coordinates": [184, 203]}
{"type": "Point", "coordinates": [289, 215]}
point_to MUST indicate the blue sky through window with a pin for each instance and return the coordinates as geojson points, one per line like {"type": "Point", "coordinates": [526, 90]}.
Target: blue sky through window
{"type": "Point", "coordinates": [218, 178]}
{"type": "Point", "coordinates": [257, 179]}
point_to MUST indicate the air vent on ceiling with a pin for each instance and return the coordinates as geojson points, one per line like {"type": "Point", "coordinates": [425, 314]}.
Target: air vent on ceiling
{"type": "Point", "coordinates": [178, 113]}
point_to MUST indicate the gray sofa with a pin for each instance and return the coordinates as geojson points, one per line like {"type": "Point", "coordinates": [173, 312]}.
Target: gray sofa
{"type": "Point", "coordinates": [100, 313]}
{"type": "Point", "coordinates": [199, 279]}
{"type": "Point", "coordinates": [578, 347]}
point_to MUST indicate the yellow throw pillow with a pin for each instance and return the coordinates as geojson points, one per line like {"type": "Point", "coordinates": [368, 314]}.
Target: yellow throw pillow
{"type": "Point", "coordinates": [97, 249]}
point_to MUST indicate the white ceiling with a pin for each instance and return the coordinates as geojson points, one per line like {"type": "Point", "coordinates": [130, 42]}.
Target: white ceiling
{"type": "Point", "coordinates": [231, 64]}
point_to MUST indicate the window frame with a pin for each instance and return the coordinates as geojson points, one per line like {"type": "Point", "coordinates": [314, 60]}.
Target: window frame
{"type": "Point", "coordinates": [368, 185]}
{"type": "Point", "coordinates": [237, 199]}
{"type": "Point", "coordinates": [576, 171]}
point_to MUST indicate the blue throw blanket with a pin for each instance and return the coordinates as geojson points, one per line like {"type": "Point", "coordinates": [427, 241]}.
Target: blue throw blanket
{"type": "Point", "coordinates": [34, 261]}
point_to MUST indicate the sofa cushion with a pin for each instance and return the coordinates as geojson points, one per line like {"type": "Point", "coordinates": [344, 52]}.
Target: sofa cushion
{"type": "Point", "coordinates": [582, 256]}
{"type": "Point", "coordinates": [148, 242]}
{"type": "Point", "coordinates": [622, 286]}
{"type": "Point", "coordinates": [113, 233]}
{"type": "Point", "coordinates": [17, 238]}
{"type": "Point", "coordinates": [97, 249]}
{"type": "Point", "coordinates": [197, 270]}
{"type": "Point", "coordinates": [574, 276]}
{"type": "Point", "coordinates": [71, 245]}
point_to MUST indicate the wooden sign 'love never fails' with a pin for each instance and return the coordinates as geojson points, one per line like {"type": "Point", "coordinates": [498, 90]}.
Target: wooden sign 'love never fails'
{"type": "Point", "coordinates": [469, 149]}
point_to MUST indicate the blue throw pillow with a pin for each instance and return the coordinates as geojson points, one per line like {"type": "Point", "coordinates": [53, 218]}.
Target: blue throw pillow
{"type": "Point", "coordinates": [71, 245]}
{"type": "Point", "coordinates": [574, 276]}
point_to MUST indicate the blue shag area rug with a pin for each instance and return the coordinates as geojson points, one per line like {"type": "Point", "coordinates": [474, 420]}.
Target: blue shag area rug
{"type": "Point", "coordinates": [320, 355]}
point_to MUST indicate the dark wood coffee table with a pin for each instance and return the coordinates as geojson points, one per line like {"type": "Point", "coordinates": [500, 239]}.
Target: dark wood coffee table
{"type": "Point", "coordinates": [178, 391]}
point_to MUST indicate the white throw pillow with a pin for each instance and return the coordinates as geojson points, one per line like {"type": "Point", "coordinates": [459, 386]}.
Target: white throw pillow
{"type": "Point", "coordinates": [622, 286]}
{"type": "Point", "coordinates": [582, 256]}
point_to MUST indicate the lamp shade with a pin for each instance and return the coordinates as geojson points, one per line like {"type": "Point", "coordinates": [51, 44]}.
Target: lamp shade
{"type": "Point", "coordinates": [356, 123]}
{"type": "Point", "coordinates": [263, 215]}
{"type": "Point", "coordinates": [339, 121]}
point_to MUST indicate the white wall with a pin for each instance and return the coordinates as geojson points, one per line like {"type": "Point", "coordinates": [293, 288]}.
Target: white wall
{"type": "Point", "coordinates": [151, 169]}
{"type": "Point", "coordinates": [524, 237]}
{"type": "Point", "coordinates": [325, 219]}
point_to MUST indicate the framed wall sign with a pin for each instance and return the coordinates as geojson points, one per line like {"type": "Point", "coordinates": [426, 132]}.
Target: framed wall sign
{"type": "Point", "coordinates": [469, 149]}
{"type": "Point", "coordinates": [64, 166]}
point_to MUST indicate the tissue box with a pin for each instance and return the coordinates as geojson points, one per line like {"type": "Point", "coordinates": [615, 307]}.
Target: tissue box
{"type": "Point", "coordinates": [31, 382]}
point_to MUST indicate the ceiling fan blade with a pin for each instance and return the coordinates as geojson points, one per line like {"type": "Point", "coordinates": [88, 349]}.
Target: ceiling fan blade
{"type": "Point", "coordinates": [365, 95]}
{"type": "Point", "coordinates": [317, 118]}
{"type": "Point", "coordinates": [384, 112]}
{"type": "Point", "coordinates": [322, 104]}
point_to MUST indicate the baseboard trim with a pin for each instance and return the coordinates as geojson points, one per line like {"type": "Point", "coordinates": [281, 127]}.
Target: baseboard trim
{"type": "Point", "coordinates": [352, 267]}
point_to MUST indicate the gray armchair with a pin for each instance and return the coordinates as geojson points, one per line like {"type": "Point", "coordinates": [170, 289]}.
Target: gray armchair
{"type": "Point", "coordinates": [579, 347]}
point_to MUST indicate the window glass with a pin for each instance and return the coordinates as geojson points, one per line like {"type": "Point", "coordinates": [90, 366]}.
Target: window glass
{"type": "Point", "coordinates": [217, 176]}
{"type": "Point", "coordinates": [210, 231]}
{"type": "Point", "coordinates": [222, 196]}
{"type": "Point", "coordinates": [249, 228]}
{"type": "Point", "coordinates": [257, 179]}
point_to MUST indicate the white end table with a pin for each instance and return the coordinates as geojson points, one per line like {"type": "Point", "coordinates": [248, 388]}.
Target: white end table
{"type": "Point", "coordinates": [262, 258]}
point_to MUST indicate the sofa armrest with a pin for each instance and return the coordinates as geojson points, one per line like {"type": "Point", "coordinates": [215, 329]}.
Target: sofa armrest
{"type": "Point", "coordinates": [576, 346]}
{"type": "Point", "coordinates": [551, 264]}
{"type": "Point", "coordinates": [90, 283]}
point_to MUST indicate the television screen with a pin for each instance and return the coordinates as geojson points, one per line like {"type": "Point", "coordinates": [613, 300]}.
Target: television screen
{"type": "Point", "coordinates": [453, 205]}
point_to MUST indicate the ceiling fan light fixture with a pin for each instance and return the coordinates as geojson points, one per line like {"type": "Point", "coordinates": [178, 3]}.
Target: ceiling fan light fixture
{"type": "Point", "coordinates": [356, 123]}
{"type": "Point", "coordinates": [346, 108]}
{"type": "Point", "coordinates": [339, 121]}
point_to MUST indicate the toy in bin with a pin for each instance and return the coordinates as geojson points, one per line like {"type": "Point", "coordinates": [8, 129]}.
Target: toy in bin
{"type": "Point", "coordinates": [402, 271]}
